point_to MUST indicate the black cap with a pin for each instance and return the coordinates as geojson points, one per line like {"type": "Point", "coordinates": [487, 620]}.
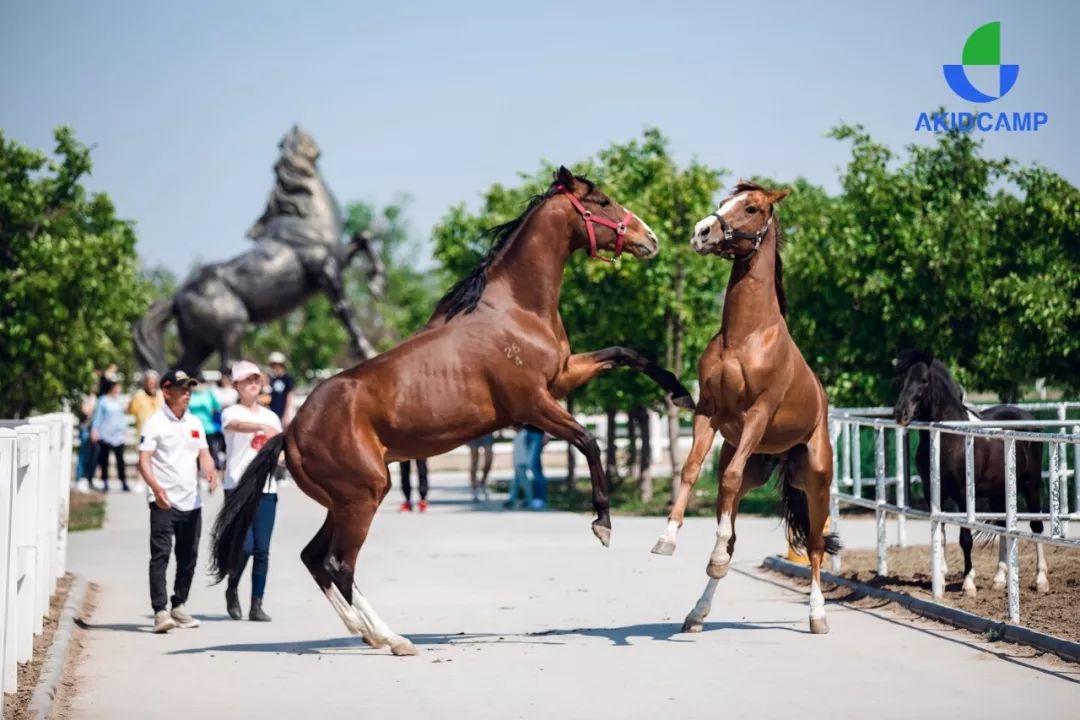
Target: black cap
{"type": "Point", "coordinates": [177, 377]}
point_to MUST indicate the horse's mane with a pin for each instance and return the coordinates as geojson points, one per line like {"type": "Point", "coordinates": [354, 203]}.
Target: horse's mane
{"type": "Point", "coordinates": [781, 296]}
{"type": "Point", "coordinates": [907, 359]}
{"type": "Point", "coordinates": [465, 294]}
{"type": "Point", "coordinates": [296, 183]}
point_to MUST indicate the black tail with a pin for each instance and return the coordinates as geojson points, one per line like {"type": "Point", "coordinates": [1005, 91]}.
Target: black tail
{"type": "Point", "coordinates": [148, 334]}
{"type": "Point", "coordinates": [796, 512]}
{"type": "Point", "coordinates": [238, 513]}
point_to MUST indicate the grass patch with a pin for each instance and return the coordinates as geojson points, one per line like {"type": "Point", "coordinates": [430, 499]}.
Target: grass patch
{"type": "Point", "coordinates": [626, 498]}
{"type": "Point", "coordinates": [87, 511]}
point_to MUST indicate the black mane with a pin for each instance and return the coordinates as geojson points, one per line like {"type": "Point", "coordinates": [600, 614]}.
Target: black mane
{"type": "Point", "coordinates": [465, 294]}
{"type": "Point", "coordinates": [907, 359]}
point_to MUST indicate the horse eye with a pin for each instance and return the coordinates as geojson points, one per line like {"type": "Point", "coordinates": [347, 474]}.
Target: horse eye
{"type": "Point", "coordinates": [751, 210]}
{"type": "Point", "coordinates": [603, 202]}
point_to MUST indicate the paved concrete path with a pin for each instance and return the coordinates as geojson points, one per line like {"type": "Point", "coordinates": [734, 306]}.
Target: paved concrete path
{"type": "Point", "coordinates": [525, 615]}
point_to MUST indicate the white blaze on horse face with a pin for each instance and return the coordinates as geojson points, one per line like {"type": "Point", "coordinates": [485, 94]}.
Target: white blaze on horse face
{"type": "Point", "coordinates": [817, 601]}
{"type": "Point", "coordinates": [712, 238]}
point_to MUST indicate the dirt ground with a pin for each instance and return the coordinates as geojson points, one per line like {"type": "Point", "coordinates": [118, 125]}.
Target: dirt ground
{"type": "Point", "coordinates": [1056, 613]}
{"type": "Point", "coordinates": [15, 704]}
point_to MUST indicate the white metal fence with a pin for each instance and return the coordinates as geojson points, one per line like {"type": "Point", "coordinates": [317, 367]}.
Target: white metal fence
{"type": "Point", "coordinates": [35, 473]}
{"type": "Point", "coordinates": [1060, 434]}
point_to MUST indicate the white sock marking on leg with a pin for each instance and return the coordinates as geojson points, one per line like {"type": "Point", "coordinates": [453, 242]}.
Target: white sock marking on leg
{"type": "Point", "coordinates": [704, 603]}
{"type": "Point", "coordinates": [724, 532]}
{"type": "Point", "coordinates": [817, 601]}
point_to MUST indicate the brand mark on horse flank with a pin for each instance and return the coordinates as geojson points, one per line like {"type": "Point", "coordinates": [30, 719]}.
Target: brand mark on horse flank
{"type": "Point", "coordinates": [512, 351]}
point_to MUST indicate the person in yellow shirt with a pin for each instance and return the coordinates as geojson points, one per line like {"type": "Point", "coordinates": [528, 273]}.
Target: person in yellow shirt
{"type": "Point", "coordinates": [145, 401]}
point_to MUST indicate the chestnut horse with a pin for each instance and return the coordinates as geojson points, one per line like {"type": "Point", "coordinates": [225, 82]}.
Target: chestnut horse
{"type": "Point", "coordinates": [495, 353]}
{"type": "Point", "coordinates": [759, 393]}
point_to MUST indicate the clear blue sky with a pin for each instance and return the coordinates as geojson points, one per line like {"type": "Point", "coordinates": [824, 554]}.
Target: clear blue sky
{"type": "Point", "coordinates": [185, 103]}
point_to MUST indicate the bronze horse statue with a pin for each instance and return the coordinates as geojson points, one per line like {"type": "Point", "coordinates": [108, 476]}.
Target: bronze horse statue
{"type": "Point", "coordinates": [298, 253]}
{"type": "Point", "coordinates": [495, 353]}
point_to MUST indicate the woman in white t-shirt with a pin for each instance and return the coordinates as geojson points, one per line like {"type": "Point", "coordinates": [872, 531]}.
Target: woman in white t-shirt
{"type": "Point", "coordinates": [247, 426]}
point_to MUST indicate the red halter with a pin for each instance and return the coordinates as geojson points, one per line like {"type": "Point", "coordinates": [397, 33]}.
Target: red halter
{"type": "Point", "coordinates": [618, 227]}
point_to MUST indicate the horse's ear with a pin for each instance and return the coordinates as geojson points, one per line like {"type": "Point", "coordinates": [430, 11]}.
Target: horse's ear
{"type": "Point", "coordinates": [778, 195]}
{"type": "Point", "coordinates": [564, 177]}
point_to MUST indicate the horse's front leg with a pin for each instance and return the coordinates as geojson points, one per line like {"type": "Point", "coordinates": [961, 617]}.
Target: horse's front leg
{"type": "Point", "coordinates": [583, 367]}
{"type": "Point", "coordinates": [755, 422]}
{"type": "Point", "coordinates": [704, 433]}
{"type": "Point", "coordinates": [330, 282]}
{"type": "Point", "coordinates": [547, 414]}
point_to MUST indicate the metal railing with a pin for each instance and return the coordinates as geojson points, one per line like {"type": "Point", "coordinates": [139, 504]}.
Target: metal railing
{"type": "Point", "coordinates": [35, 473]}
{"type": "Point", "coordinates": [845, 425]}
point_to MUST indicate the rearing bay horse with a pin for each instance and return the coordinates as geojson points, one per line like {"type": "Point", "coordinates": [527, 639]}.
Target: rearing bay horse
{"type": "Point", "coordinates": [758, 392]}
{"type": "Point", "coordinates": [494, 354]}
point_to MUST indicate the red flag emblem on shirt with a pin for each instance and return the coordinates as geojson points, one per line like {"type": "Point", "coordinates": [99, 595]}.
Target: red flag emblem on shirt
{"type": "Point", "coordinates": [195, 434]}
{"type": "Point", "coordinates": [258, 441]}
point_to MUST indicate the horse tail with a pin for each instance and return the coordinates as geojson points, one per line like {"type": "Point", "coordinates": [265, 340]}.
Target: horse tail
{"type": "Point", "coordinates": [238, 513]}
{"type": "Point", "coordinates": [796, 512]}
{"type": "Point", "coordinates": [148, 334]}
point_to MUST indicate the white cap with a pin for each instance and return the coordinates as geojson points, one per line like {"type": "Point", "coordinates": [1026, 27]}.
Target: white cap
{"type": "Point", "coordinates": [276, 358]}
{"type": "Point", "coordinates": [244, 369]}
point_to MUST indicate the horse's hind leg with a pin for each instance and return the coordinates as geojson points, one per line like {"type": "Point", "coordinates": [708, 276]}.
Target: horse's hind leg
{"type": "Point", "coordinates": [969, 569]}
{"type": "Point", "coordinates": [812, 469]}
{"type": "Point", "coordinates": [351, 524]}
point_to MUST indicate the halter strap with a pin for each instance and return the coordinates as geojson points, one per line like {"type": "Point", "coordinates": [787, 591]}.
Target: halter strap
{"type": "Point", "coordinates": [732, 234]}
{"type": "Point", "coordinates": [618, 227]}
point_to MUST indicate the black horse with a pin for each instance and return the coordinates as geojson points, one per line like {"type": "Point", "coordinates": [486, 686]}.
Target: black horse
{"type": "Point", "coordinates": [930, 394]}
{"type": "Point", "coordinates": [298, 253]}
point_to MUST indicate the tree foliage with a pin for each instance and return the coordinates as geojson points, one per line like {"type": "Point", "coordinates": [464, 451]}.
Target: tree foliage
{"type": "Point", "coordinates": [69, 283]}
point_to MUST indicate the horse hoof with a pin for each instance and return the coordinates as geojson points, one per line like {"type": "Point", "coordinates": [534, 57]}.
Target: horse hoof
{"type": "Point", "coordinates": [819, 626]}
{"type": "Point", "coordinates": [1042, 586]}
{"type": "Point", "coordinates": [717, 570]}
{"type": "Point", "coordinates": [403, 647]}
{"type": "Point", "coordinates": [999, 585]}
{"type": "Point", "coordinates": [663, 546]}
{"type": "Point", "coordinates": [970, 592]}
{"type": "Point", "coordinates": [686, 402]}
{"type": "Point", "coordinates": [603, 534]}
{"type": "Point", "coordinates": [691, 625]}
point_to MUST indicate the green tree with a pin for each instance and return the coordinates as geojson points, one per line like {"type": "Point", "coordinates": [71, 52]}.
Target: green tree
{"type": "Point", "coordinates": [69, 284]}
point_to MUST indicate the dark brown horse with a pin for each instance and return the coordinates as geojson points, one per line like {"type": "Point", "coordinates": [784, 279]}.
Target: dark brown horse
{"type": "Point", "coordinates": [758, 392]}
{"type": "Point", "coordinates": [494, 354]}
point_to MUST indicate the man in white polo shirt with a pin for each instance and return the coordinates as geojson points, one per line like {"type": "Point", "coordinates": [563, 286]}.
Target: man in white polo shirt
{"type": "Point", "coordinates": [172, 449]}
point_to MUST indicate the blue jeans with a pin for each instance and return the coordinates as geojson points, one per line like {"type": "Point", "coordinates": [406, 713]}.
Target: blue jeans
{"type": "Point", "coordinates": [521, 482]}
{"type": "Point", "coordinates": [257, 544]}
{"type": "Point", "coordinates": [84, 467]}
{"type": "Point", "coordinates": [535, 446]}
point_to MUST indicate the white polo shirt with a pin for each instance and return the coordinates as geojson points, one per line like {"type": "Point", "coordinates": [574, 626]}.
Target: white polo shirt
{"type": "Point", "coordinates": [241, 447]}
{"type": "Point", "coordinates": [176, 443]}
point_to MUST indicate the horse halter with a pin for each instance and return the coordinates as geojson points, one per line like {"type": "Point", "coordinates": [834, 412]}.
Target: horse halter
{"type": "Point", "coordinates": [618, 227]}
{"type": "Point", "coordinates": [732, 234]}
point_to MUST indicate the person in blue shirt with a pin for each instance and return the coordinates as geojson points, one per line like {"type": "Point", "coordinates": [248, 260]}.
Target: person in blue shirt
{"type": "Point", "coordinates": [108, 426]}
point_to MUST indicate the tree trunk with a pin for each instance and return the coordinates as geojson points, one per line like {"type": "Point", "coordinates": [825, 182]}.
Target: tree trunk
{"type": "Point", "coordinates": [612, 466]}
{"type": "Point", "coordinates": [632, 446]}
{"type": "Point", "coordinates": [571, 455]}
{"type": "Point", "coordinates": [645, 484]}
{"type": "Point", "coordinates": [675, 363]}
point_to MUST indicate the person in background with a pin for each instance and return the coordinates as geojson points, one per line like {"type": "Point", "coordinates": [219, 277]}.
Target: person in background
{"type": "Point", "coordinates": [204, 405]}
{"type": "Point", "coordinates": [521, 471]}
{"type": "Point", "coordinates": [108, 426]}
{"type": "Point", "coordinates": [225, 392]}
{"type": "Point", "coordinates": [536, 439]}
{"type": "Point", "coordinates": [281, 388]}
{"type": "Point", "coordinates": [87, 459]}
{"type": "Point", "coordinates": [406, 485]}
{"type": "Point", "coordinates": [247, 427]}
{"type": "Point", "coordinates": [109, 375]}
{"type": "Point", "coordinates": [145, 401]}
{"type": "Point", "coordinates": [484, 443]}
{"type": "Point", "coordinates": [172, 451]}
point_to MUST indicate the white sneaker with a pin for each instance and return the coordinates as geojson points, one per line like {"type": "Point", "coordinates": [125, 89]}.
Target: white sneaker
{"type": "Point", "coordinates": [163, 622]}
{"type": "Point", "coordinates": [183, 618]}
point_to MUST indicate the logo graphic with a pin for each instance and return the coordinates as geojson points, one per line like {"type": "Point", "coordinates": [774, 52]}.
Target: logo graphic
{"type": "Point", "coordinates": [982, 49]}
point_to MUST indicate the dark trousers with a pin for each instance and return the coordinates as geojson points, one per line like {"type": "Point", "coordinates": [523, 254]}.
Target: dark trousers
{"type": "Point", "coordinates": [216, 441]}
{"type": "Point", "coordinates": [406, 485]}
{"type": "Point", "coordinates": [185, 526]}
{"type": "Point", "coordinates": [257, 545]}
{"type": "Point", "coordinates": [104, 449]}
